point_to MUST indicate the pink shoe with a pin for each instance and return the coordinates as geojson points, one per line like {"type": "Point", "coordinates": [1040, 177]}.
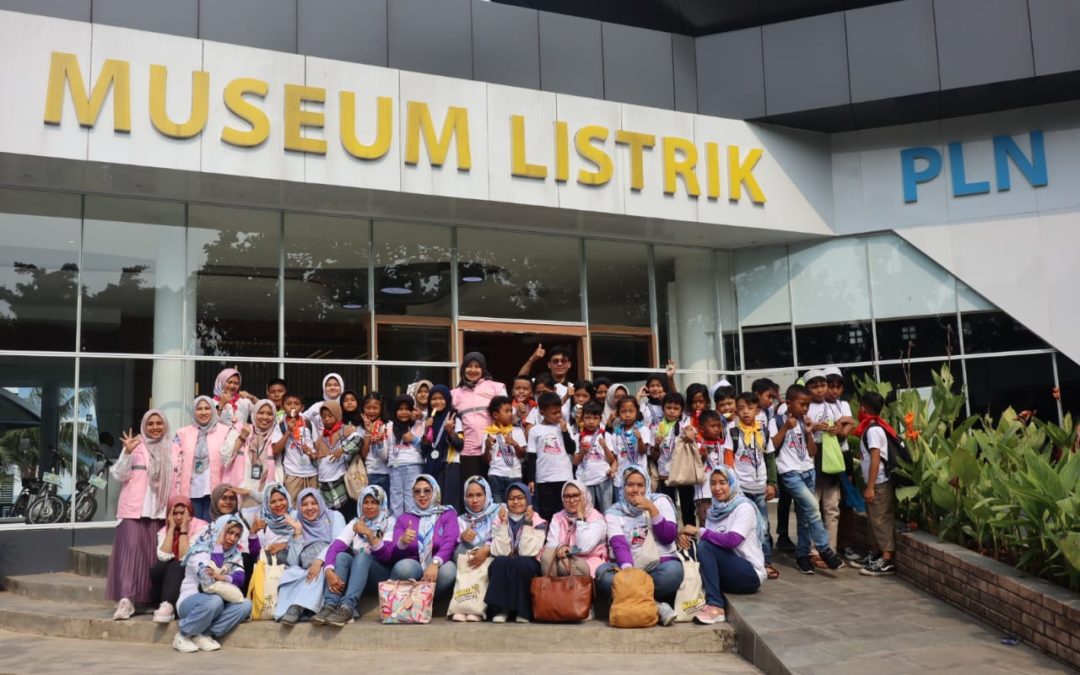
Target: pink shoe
{"type": "Point", "coordinates": [709, 615]}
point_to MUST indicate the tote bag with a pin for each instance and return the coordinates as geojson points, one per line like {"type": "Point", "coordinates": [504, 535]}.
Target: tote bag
{"type": "Point", "coordinates": [470, 588]}
{"type": "Point", "coordinates": [687, 467]}
{"type": "Point", "coordinates": [647, 556]}
{"type": "Point", "coordinates": [263, 591]}
{"type": "Point", "coordinates": [832, 458]}
{"type": "Point", "coordinates": [356, 478]}
{"type": "Point", "coordinates": [690, 598]}
{"type": "Point", "coordinates": [561, 599]}
{"type": "Point", "coordinates": [406, 601]}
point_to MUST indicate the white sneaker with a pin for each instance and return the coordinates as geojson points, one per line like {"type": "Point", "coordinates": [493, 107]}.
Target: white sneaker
{"type": "Point", "coordinates": [522, 619]}
{"type": "Point", "coordinates": [164, 613]}
{"type": "Point", "coordinates": [459, 617]}
{"type": "Point", "coordinates": [124, 609]}
{"type": "Point", "coordinates": [183, 644]}
{"type": "Point", "coordinates": [206, 643]}
{"type": "Point", "coordinates": [592, 615]}
{"type": "Point", "coordinates": [501, 617]}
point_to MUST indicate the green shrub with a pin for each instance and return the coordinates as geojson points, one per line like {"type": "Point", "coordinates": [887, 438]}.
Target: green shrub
{"type": "Point", "coordinates": [1006, 488]}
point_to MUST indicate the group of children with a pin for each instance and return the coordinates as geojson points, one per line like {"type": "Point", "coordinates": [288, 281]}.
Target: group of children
{"type": "Point", "coordinates": [544, 433]}
{"type": "Point", "coordinates": [590, 455]}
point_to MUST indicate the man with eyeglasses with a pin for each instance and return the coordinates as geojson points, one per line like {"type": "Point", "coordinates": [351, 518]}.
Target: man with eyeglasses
{"type": "Point", "coordinates": [559, 364]}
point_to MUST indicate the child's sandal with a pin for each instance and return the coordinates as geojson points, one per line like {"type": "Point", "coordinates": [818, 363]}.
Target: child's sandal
{"type": "Point", "coordinates": [771, 572]}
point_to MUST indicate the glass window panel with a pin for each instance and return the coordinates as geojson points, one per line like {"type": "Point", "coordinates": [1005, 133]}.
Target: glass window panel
{"type": "Point", "coordinates": [37, 413]}
{"type": "Point", "coordinates": [233, 264]}
{"type": "Point", "coordinates": [919, 375]}
{"type": "Point", "coordinates": [628, 351]}
{"type": "Point", "coordinates": [306, 379]}
{"type": "Point", "coordinates": [729, 318]}
{"type": "Point", "coordinates": [618, 275]}
{"type": "Point", "coordinates": [414, 343]}
{"type": "Point", "coordinates": [395, 380]}
{"type": "Point", "coordinates": [509, 275]}
{"type": "Point", "coordinates": [916, 337]}
{"type": "Point", "coordinates": [113, 396]}
{"type": "Point", "coordinates": [761, 284]}
{"type": "Point", "coordinates": [837, 343]}
{"type": "Point", "coordinates": [768, 347]}
{"type": "Point", "coordinates": [905, 282]}
{"type": "Point", "coordinates": [1069, 384]}
{"type": "Point", "coordinates": [254, 377]}
{"type": "Point", "coordinates": [996, 332]}
{"type": "Point", "coordinates": [133, 279]}
{"type": "Point", "coordinates": [412, 269]}
{"type": "Point", "coordinates": [828, 282]}
{"type": "Point", "coordinates": [326, 287]}
{"type": "Point", "coordinates": [634, 381]}
{"type": "Point", "coordinates": [1019, 382]}
{"type": "Point", "coordinates": [853, 374]}
{"type": "Point", "coordinates": [686, 307]}
{"type": "Point", "coordinates": [39, 269]}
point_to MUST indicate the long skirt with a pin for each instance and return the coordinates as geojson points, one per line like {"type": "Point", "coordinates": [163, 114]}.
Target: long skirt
{"type": "Point", "coordinates": [132, 557]}
{"type": "Point", "coordinates": [294, 589]}
{"type": "Point", "coordinates": [508, 585]}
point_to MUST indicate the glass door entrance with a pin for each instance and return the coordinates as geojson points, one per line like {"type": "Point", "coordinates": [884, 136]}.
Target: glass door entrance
{"type": "Point", "coordinates": [508, 345]}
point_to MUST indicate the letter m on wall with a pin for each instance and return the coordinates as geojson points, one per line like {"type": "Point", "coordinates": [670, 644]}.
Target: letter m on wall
{"type": "Point", "coordinates": [114, 75]}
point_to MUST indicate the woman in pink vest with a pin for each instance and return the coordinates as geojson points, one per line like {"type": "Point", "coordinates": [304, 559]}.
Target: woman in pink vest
{"type": "Point", "coordinates": [145, 470]}
{"type": "Point", "coordinates": [196, 455]}
{"type": "Point", "coordinates": [471, 398]}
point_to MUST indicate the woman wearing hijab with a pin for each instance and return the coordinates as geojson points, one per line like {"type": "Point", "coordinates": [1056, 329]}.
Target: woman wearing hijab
{"type": "Point", "coordinates": [271, 532]}
{"type": "Point", "coordinates": [420, 391]}
{"type": "Point", "coordinates": [476, 526]}
{"type": "Point", "coordinates": [180, 529]}
{"type": "Point", "coordinates": [470, 399]}
{"type": "Point", "coordinates": [358, 559]}
{"type": "Point", "coordinates": [611, 401]}
{"type": "Point", "coordinates": [332, 386]}
{"type": "Point", "coordinates": [224, 500]}
{"type": "Point", "coordinates": [252, 464]}
{"type": "Point", "coordinates": [234, 405]}
{"type": "Point", "coordinates": [576, 534]}
{"type": "Point", "coordinates": [196, 455]}
{"type": "Point", "coordinates": [729, 546]}
{"type": "Point", "coordinates": [212, 561]}
{"type": "Point", "coordinates": [441, 445]}
{"type": "Point", "coordinates": [145, 470]}
{"type": "Point", "coordinates": [638, 515]}
{"type": "Point", "coordinates": [517, 541]}
{"type": "Point", "coordinates": [350, 410]}
{"type": "Point", "coordinates": [425, 537]}
{"type": "Point", "coordinates": [300, 590]}
{"type": "Point", "coordinates": [335, 446]}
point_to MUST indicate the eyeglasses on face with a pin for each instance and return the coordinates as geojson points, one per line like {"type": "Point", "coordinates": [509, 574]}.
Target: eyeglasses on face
{"type": "Point", "coordinates": [559, 361]}
{"type": "Point", "coordinates": [571, 496]}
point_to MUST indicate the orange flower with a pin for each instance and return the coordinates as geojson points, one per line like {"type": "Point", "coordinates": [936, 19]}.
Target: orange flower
{"type": "Point", "coordinates": [911, 432]}
{"type": "Point", "coordinates": [909, 419]}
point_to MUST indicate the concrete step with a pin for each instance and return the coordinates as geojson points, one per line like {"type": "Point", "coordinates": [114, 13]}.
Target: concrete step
{"type": "Point", "coordinates": [60, 587]}
{"type": "Point", "coordinates": [19, 613]}
{"type": "Point", "coordinates": [89, 561]}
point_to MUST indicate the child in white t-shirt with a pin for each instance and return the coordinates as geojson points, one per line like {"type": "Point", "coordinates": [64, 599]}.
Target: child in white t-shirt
{"type": "Point", "coordinates": [755, 465]}
{"type": "Point", "coordinates": [553, 447]}
{"type": "Point", "coordinates": [504, 448]}
{"type": "Point", "coordinates": [715, 447]}
{"type": "Point", "coordinates": [627, 438]}
{"type": "Point", "coordinates": [595, 463]}
{"type": "Point", "coordinates": [294, 443]}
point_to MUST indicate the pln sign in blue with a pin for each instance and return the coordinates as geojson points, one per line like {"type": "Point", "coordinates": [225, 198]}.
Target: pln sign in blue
{"type": "Point", "coordinates": [924, 164]}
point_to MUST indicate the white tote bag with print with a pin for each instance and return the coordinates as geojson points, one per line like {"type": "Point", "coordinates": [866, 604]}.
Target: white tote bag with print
{"type": "Point", "coordinates": [690, 598]}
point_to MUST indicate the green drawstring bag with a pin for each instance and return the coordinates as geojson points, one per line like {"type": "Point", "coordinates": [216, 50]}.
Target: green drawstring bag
{"type": "Point", "coordinates": [832, 457]}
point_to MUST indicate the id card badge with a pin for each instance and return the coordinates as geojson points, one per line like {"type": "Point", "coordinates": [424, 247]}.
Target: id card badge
{"type": "Point", "coordinates": [200, 466]}
{"type": "Point", "coordinates": [256, 471]}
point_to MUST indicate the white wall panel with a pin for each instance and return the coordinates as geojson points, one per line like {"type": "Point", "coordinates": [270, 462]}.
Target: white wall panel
{"type": "Point", "coordinates": [761, 285]}
{"type": "Point", "coordinates": [578, 112]}
{"type": "Point", "coordinates": [268, 160]}
{"type": "Point", "coordinates": [651, 201]}
{"type": "Point", "coordinates": [145, 146]}
{"type": "Point", "coordinates": [538, 109]}
{"type": "Point", "coordinates": [25, 43]}
{"type": "Point", "coordinates": [368, 84]}
{"type": "Point", "coordinates": [828, 282]}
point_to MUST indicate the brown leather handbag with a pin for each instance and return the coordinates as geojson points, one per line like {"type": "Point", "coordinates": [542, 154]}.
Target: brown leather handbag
{"type": "Point", "coordinates": [561, 599]}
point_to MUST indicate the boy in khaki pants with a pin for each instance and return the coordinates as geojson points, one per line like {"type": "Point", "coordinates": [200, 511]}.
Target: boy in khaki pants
{"type": "Point", "coordinates": [879, 492]}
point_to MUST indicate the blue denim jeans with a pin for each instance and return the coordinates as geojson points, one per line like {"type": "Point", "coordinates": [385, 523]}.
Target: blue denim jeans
{"type": "Point", "coordinates": [401, 480]}
{"type": "Point", "coordinates": [360, 572]}
{"type": "Point", "coordinates": [807, 513]}
{"type": "Point", "coordinates": [666, 579]}
{"type": "Point", "coordinates": [499, 486]}
{"type": "Point", "coordinates": [722, 570]}
{"type": "Point", "coordinates": [603, 494]}
{"type": "Point", "coordinates": [205, 613]}
{"type": "Point", "coordinates": [763, 508]}
{"type": "Point", "coordinates": [411, 569]}
{"type": "Point", "coordinates": [380, 479]}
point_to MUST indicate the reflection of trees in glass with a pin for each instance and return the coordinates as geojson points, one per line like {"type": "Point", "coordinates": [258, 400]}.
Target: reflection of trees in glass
{"type": "Point", "coordinates": [41, 307]}
{"type": "Point", "coordinates": [22, 447]}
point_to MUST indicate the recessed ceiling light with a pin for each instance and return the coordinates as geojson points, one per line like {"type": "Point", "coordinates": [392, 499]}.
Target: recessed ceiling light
{"type": "Point", "coordinates": [352, 305]}
{"type": "Point", "coordinates": [396, 290]}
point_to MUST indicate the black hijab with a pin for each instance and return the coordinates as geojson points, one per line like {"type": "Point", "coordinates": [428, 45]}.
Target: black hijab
{"type": "Point", "coordinates": [469, 358]}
